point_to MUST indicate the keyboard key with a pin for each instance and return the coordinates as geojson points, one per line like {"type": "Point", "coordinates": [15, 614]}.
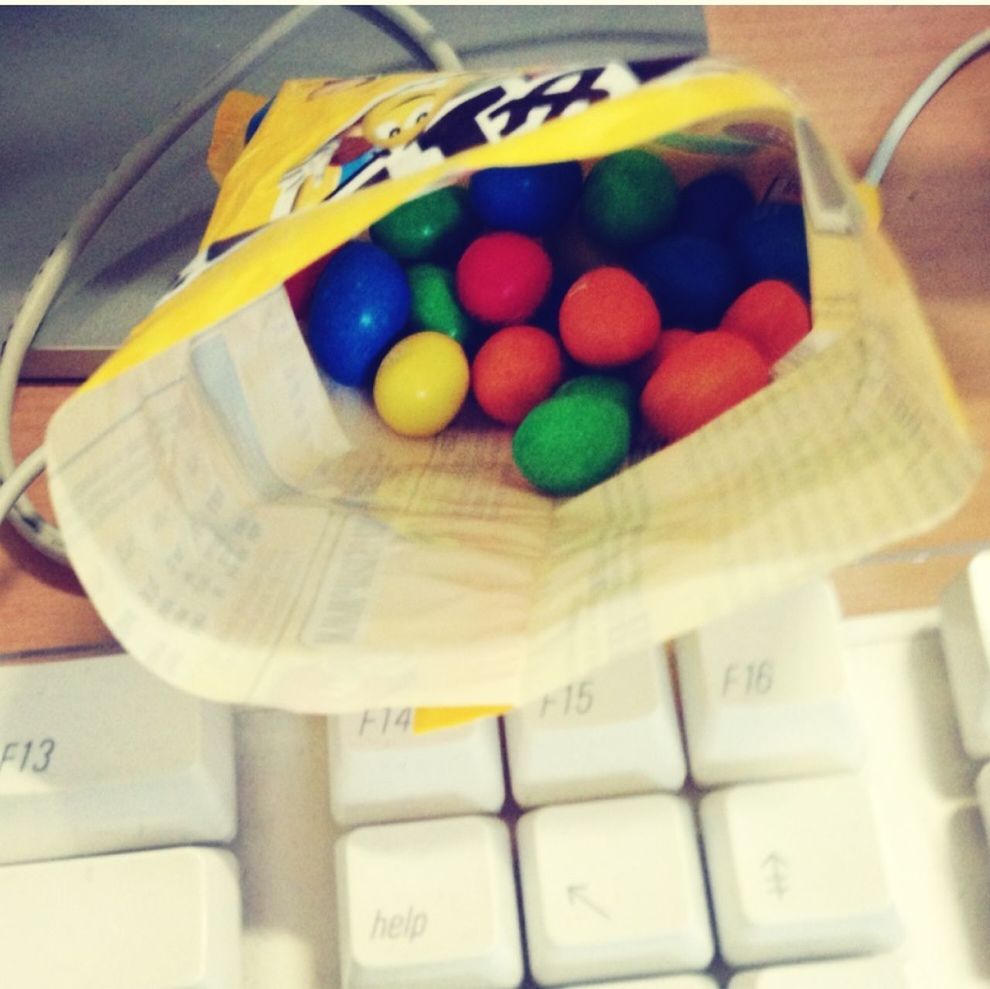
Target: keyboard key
{"type": "Point", "coordinates": [99, 755]}
{"type": "Point", "coordinates": [611, 734]}
{"type": "Point", "coordinates": [765, 694]}
{"type": "Point", "coordinates": [879, 972]}
{"type": "Point", "coordinates": [983, 796]}
{"type": "Point", "coordinates": [428, 904]}
{"type": "Point", "coordinates": [965, 622]}
{"type": "Point", "coordinates": [156, 919]}
{"type": "Point", "coordinates": [796, 872]}
{"type": "Point", "coordinates": [380, 771]}
{"type": "Point", "coordinates": [612, 889]}
{"type": "Point", "coordinates": [659, 982]}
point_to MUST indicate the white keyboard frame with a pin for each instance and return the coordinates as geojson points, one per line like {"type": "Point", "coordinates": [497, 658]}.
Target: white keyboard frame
{"type": "Point", "coordinates": [937, 852]}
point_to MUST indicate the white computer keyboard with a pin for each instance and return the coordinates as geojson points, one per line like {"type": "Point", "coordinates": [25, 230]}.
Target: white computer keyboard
{"type": "Point", "coordinates": [780, 801]}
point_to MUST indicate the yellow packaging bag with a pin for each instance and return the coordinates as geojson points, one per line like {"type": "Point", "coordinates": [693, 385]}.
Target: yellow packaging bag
{"type": "Point", "coordinates": [254, 534]}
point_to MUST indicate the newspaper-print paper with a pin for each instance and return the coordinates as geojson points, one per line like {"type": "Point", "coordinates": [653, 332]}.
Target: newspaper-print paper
{"type": "Point", "coordinates": [254, 534]}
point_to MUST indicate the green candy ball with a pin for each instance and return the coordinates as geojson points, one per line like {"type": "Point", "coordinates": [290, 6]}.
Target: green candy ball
{"type": "Point", "coordinates": [426, 228]}
{"type": "Point", "coordinates": [604, 386]}
{"type": "Point", "coordinates": [434, 303]}
{"type": "Point", "coordinates": [569, 443]}
{"type": "Point", "coordinates": [629, 198]}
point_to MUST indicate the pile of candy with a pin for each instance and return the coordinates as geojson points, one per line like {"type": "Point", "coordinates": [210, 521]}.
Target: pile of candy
{"type": "Point", "coordinates": [575, 308]}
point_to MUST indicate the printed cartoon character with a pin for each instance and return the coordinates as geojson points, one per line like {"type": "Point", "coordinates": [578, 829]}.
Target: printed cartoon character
{"type": "Point", "coordinates": [423, 122]}
{"type": "Point", "coordinates": [389, 124]}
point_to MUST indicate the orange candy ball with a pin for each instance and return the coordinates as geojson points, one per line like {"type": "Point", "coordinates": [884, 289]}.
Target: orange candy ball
{"type": "Point", "coordinates": [699, 380]}
{"type": "Point", "coordinates": [772, 315]}
{"type": "Point", "coordinates": [516, 368]}
{"type": "Point", "coordinates": [608, 318]}
{"type": "Point", "coordinates": [668, 342]}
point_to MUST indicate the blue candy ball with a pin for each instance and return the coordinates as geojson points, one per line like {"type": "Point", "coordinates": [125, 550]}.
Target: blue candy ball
{"type": "Point", "coordinates": [255, 122]}
{"type": "Point", "coordinates": [359, 308]}
{"type": "Point", "coordinates": [693, 280]}
{"type": "Point", "coordinates": [769, 242]}
{"type": "Point", "coordinates": [531, 199]}
{"type": "Point", "coordinates": [710, 206]}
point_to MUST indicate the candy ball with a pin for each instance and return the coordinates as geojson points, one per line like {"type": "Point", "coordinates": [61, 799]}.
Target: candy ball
{"type": "Point", "coordinates": [667, 343]}
{"type": "Point", "coordinates": [670, 340]}
{"type": "Point", "coordinates": [256, 118]}
{"type": "Point", "coordinates": [769, 242]}
{"type": "Point", "coordinates": [421, 384]}
{"type": "Point", "coordinates": [628, 199]}
{"type": "Point", "coordinates": [699, 381]}
{"type": "Point", "coordinates": [434, 303]}
{"type": "Point", "coordinates": [548, 311]}
{"type": "Point", "coordinates": [772, 315]}
{"type": "Point", "coordinates": [515, 369]}
{"type": "Point", "coordinates": [503, 277]}
{"type": "Point", "coordinates": [608, 318]}
{"type": "Point", "coordinates": [692, 279]}
{"type": "Point", "coordinates": [531, 199]}
{"type": "Point", "coordinates": [359, 308]}
{"type": "Point", "coordinates": [430, 227]}
{"type": "Point", "coordinates": [709, 206]}
{"type": "Point", "coordinates": [567, 444]}
{"type": "Point", "coordinates": [602, 385]}
{"type": "Point", "coordinates": [301, 286]}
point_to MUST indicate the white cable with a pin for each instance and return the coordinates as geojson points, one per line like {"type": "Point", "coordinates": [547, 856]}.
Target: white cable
{"type": "Point", "coordinates": [944, 71]}
{"type": "Point", "coordinates": [416, 27]}
{"type": "Point", "coordinates": [52, 273]}
{"type": "Point", "coordinates": [15, 485]}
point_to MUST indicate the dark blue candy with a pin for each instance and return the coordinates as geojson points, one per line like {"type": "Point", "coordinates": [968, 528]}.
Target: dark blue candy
{"type": "Point", "coordinates": [693, 280]}
{"type": "Point", "coordinates": [359, 308]}
{"type": "Point", "coordinates": [548, 313]}
{"type": "Point", "coordinates": [255, 122]}
{"type": "Point", "coordinates": [769, 242]}
{"type": "Point", "coordinates": [531, 199]}
{"type": "Point", "coordinates": [710, 206]}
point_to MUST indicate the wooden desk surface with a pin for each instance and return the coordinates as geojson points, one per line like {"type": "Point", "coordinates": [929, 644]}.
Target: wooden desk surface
{"type": "Point", "coordinates": [853, 67]}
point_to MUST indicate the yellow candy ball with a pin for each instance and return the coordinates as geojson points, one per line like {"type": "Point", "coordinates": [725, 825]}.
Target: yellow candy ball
{"type": "Point", "coordinates": [421, 384]}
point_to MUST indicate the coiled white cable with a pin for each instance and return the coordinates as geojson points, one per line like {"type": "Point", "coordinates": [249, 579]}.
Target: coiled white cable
{"type": "Point", "coordinates": [915, 103]}
{"type": "Point", "coordinates": [19, 481]}
{"type": "Point", "coordinates": [416, 27]}
{"type": "Point", "coordinates": [51, 275]}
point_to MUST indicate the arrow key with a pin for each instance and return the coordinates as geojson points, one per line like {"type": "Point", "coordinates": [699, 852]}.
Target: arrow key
{"type": "Point", "coordinates": [612, 889]}
{"type": "Point", "coordinates": [796, 871]}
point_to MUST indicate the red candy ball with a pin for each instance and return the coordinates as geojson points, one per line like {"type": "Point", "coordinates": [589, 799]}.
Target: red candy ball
{"type": "Point", "coordinates": [503, 277]}
{"type": "Point", "coordinates": [771, 315]}
{"type": "Point", "coordinates": [608, 318]}
{"type": "Point", "coordinates": [301, 286]}
{"type": "Point", "coordinates": [699, 380]}
{"type": "Point", "coordinates": [516, 369]}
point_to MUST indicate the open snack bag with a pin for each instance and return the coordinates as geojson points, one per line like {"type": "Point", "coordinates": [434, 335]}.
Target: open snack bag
{"type": "Point", "coordinates": [254, 531]}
